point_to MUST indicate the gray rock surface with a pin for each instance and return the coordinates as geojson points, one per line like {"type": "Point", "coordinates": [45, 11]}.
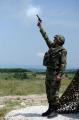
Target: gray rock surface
{"type": "Point", "coordinates": [34, 113]}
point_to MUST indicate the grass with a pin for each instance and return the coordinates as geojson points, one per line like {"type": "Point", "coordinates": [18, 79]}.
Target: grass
{"type": "Point", "coordinates": [15, 86]}
{"type": "Point", "coordinates": [21, 87]}
{"type": "Point", "coordinates": [9, 106]}
{"type": "Point", "coordinates": [34, 85]}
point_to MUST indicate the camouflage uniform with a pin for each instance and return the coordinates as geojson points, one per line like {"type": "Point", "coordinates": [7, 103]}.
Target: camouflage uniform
{"type": "Point", "coordinates": [58, 66]}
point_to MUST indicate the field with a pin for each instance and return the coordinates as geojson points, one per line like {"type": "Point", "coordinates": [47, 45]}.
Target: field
{"type": "Point", "coordinates": [24, 83]}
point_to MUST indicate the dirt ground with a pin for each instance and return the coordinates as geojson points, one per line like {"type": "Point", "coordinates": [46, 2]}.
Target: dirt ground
{"type": "Point", "coordinates": [28, 100]}
{"type": "Point", "coordinates": [29, 106]}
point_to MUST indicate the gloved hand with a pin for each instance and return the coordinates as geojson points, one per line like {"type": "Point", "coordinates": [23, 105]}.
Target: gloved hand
{"type": "Point", "coordinates": [39, 24]}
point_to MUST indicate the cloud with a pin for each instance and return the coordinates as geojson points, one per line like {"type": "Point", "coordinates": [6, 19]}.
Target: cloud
{"type": "Point", "coordinates": [32, 11]}
{"type": "Point", "coordinates": [40, 54]}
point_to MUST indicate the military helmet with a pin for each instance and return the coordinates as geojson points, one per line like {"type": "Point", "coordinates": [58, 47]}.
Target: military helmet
{"type": "Point", "coordinates": [60, 38]}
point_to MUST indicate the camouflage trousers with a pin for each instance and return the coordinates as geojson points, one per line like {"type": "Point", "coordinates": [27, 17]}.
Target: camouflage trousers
{"type": "Point", "coordinates": [52, 88]}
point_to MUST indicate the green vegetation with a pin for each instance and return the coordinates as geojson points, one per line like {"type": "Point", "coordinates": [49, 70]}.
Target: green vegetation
{"type": "Point", "coordinates": [21, 82]}
{"type": "Point", "coordinates": [24, 82]}
{"type": "Point", "coordinates": [12, 70]}
{"type": "Point", "coordinates": [8, 107]}
{"type": "Point", "coordinates": [19, 87]}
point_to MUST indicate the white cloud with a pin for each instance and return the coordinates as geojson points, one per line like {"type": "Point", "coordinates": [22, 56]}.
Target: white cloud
{"type": "Point", "coordinates": [32, 11]}
{"type": "Point", "coordinates": [40, 54]}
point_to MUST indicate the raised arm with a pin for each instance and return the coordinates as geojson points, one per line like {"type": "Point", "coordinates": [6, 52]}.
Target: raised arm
{"type": "Point", "coordinates": [44, 34]}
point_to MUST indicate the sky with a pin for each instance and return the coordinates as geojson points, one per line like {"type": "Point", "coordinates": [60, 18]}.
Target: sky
{"type": "Point", "coordinates": [21, 43]}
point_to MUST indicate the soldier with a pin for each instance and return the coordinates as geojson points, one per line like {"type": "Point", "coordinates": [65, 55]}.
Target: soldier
{"type": "Point", "coordinates": [55, 62]}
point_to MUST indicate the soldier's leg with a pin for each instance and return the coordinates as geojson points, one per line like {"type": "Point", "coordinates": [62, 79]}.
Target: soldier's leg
{"type": "Point", "coordinates": [52, 87]}
{"type": "Point", "coordinates": [47, 84]}
{"type": "Point", "coordinates": [54, 94]}
{"type": "Point", "coordinates": [54, 98]}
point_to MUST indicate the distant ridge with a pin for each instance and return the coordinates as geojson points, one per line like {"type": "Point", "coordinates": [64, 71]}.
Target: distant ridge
{"type": "Point", "coordinates": [41, 68]}
{"type": "Point", "coordinates": [35, 68]}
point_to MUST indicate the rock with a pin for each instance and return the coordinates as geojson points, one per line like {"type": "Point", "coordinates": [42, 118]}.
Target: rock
{"type": "Point", "coordinates": [34, 113]}
{"type": "Point", "coordinates": [23, 104]}
{"type": "Point", "coordinates": [1, 106]}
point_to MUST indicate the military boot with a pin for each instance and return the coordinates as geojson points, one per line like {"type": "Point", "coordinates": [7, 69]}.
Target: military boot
{"type": "Point", "coordinates": [46, 113]}
{"type": "Point", "coordinates": [53, 113]}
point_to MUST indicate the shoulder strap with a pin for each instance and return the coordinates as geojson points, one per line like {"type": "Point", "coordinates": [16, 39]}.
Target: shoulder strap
{"type": "Point", "coordinates": [60, 49]}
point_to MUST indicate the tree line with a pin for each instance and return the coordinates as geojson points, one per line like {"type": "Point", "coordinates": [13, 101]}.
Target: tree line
{"type": "Point", "coordinates": [13, 70]}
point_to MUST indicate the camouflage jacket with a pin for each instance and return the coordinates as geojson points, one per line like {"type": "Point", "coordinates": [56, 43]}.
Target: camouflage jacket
{"type": "Point", "coordinates": [55, 57]}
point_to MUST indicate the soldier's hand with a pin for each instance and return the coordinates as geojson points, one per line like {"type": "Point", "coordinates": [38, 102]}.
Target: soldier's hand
{"type": "Point", "coordinates": [58, 77]}
{"type": "Point", "coordinates": [39, 24]}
